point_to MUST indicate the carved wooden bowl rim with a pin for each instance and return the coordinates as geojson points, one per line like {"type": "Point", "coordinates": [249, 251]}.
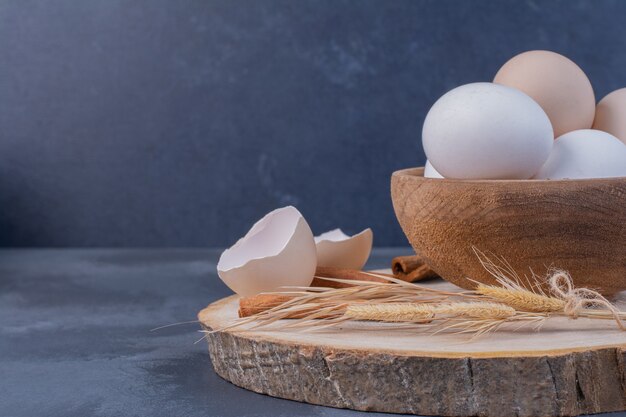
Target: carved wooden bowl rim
{"type": "Point", "coordinates": [417, 173]}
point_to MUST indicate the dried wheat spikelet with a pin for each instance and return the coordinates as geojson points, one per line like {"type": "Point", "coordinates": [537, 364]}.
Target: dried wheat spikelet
{"type": "Point", "coordinates": [413, 312]}
{"type": "Point", "coordinates": [397, 312]}
{"type": "Point", "coordinates": [521, 302]}
{"type": "Point", "coordinates": [522, 299]}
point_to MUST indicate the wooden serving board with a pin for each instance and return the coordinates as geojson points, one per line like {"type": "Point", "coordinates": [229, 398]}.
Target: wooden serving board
{"type": "Point", "coordinates": [570, 367]}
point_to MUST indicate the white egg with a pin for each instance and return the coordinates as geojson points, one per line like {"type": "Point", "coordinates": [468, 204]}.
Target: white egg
{"type": "Point", "coordinates": [585, 153]}
{"type": "Point", "coordinates": [278, 251]}
{"type": "Point", "coordinates": [430, 171]}
{"type": "Point", "coordinates": [487, 131]}
{"type": "Point", "coordinates": [337, 250]}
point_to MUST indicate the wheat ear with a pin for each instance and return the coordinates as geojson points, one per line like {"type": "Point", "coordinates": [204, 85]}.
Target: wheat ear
{"type": "Point", "coordinates": [396, 312]}
{"type": "Point", "coordinates": [522, 299]}
{"type": "Point", "coordinates": [412, 312]}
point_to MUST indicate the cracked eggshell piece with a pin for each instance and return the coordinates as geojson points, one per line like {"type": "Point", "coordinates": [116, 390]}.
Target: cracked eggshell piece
{"type": "Point", "coordinates": [337, 250]}
{"type": "Point", "coordinates": [279, 250]}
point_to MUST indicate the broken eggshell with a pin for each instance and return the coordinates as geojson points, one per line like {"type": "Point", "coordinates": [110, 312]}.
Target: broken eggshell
{"type": "Point", "coordinates": [337, 250]}
{"type": "Point", "coordinates": [278, 251]}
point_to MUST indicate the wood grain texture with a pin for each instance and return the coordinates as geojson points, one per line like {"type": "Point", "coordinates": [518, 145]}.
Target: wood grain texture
{"type": "Point", "coordinates": [571, 367]}
{"type": "Point", "coordinates": [576, 225]}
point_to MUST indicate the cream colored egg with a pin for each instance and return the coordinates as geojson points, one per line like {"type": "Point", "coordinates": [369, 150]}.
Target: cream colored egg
{"type": "Point", "coordinates": [279, 250]}
{"type": "Point", "coordinates": [611, 114]}
{"type": "Point", "coordinates": [337, 250]}
{"type": "Point", "coordinates": [486, 131]}
{"type": "Point", "coordinates": [555, 82]}
{"type": "Point", "coordinates": [585, 153]}
{"type": "Point", "coordinates": [430, 171]}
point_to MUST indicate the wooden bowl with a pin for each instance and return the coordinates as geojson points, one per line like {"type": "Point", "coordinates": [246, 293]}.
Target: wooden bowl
{"type": "Point", "coordinates": [575, 225]}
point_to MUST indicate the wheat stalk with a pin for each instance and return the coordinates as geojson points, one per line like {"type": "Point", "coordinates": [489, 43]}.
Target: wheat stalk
{"type": "Point", "coordinates": [404, 312]}
{"type": "Point", "coordinates": [522, 299]}
{"type": "Point", "coordinates": [479, 310]}
{"type": "Point", "coordinates": [411, 312]}
{"type": "Point", "coordinates": [487, 308]}
{"type": "Point", "coordinates": [564, 299]}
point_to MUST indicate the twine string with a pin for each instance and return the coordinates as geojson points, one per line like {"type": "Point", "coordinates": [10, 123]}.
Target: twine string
{"type": "Point", "coordinates": [578, 299]}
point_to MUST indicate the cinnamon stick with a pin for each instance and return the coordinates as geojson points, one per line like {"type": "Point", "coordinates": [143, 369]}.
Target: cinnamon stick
{"type": "Point", "coordinates": [340, 273]}
{"type": "Point", "coordinates": [249, 306]}
{"type": "Point", "coordinates": [411, 268]}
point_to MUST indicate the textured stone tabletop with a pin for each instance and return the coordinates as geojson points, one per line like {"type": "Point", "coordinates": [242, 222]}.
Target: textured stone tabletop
{"type": "Point", "coordinates": [75, 336]}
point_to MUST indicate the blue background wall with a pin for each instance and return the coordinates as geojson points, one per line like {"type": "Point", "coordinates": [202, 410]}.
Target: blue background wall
{"type": "Point", "coordinates": [179, 123]}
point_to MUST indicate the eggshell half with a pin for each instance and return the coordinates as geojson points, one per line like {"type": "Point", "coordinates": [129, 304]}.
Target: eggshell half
{"type": "Point", "coordinates": [611, 114]}
{"type": "Point", "coordinates": [338, 250]}
{"type": "Point", "coordinates": [555, 82]}
{"type": "Point", "coordinates": [278, 251]}
{"type": "Point", "coordinates": [487, 131]}
{"type": "Point", "coordinates": [430, 171]}
{"type": "Point", "coordinates": [585, 153]}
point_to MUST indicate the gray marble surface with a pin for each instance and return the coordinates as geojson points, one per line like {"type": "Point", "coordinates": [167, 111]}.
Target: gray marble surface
{"type": "Point", "coordinates": [75, 336]}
